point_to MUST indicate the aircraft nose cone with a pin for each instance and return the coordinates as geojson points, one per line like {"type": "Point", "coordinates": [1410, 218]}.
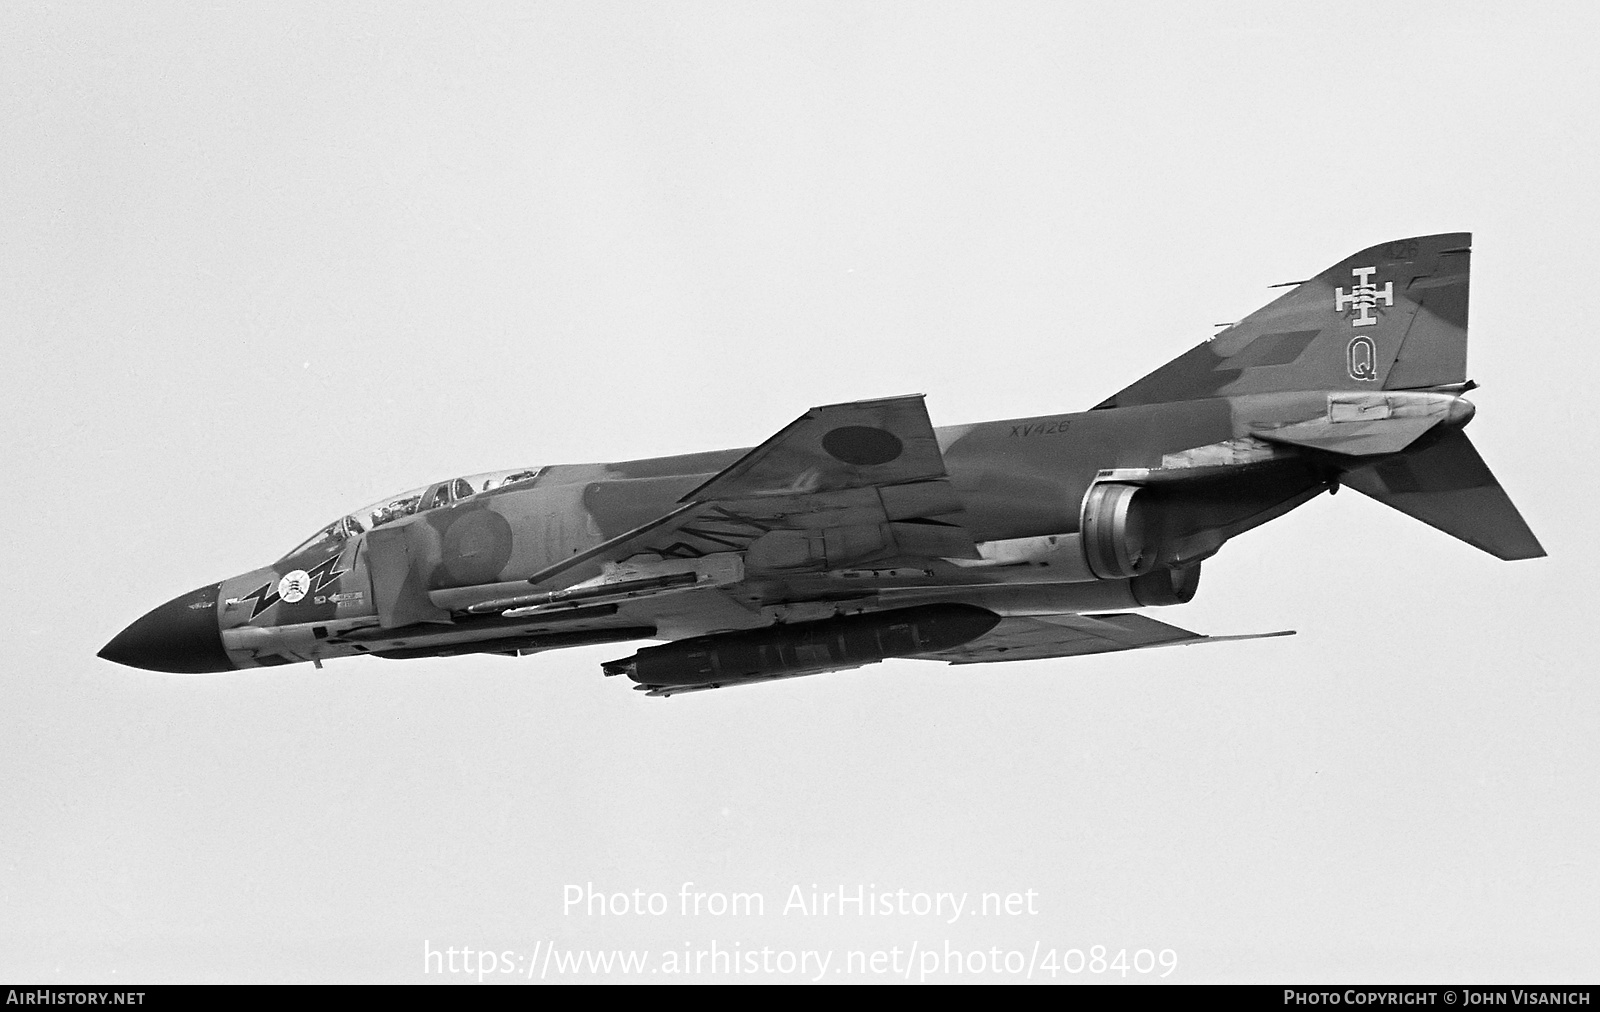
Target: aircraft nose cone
{"type": "Point", "coordinates": [181, 636]}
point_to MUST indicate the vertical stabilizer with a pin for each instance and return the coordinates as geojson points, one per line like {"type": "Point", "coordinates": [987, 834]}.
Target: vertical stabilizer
{"type": "Point", "coordinates": [1392, 317]}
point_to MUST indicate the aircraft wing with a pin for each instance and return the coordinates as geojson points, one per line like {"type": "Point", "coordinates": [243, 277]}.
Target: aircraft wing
{"type": "Point", "coordinates": [1033, 637]}
{"type": "Point", "coordinates": [843, 484]}
{"type": "Point", "coordinates": [838, 446]}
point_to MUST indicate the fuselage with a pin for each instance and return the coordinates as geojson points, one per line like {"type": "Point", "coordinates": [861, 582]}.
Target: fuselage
{"type": "Point", "coordinates": [1016, 479]}
{"type": "Point", "coordinates": [859, 532]}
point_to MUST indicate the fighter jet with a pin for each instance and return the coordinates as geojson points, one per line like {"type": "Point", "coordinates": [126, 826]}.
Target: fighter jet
{"type": "Point", "coordinates": [860, 532]}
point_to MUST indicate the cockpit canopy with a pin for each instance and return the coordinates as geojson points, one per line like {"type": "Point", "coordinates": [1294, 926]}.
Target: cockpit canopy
{"type": "Point", "coordinates": [418, 500]}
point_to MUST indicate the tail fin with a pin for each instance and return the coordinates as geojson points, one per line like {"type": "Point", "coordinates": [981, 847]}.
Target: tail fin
{"type": "Point", "coordinates": [1445, 484]}
{"type": "Point", "coordinates": [1392, 317]}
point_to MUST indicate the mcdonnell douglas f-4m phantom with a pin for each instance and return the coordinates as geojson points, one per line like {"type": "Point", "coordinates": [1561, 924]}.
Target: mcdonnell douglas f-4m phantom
{"type": "Point", "coordinates": [860, 532]}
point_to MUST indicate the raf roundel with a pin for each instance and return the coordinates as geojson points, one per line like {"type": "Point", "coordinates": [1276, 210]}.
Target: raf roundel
{"type": "Point", "coordinates": [294, 586]}
{"type": "Point", "coordinates": [862, 445]}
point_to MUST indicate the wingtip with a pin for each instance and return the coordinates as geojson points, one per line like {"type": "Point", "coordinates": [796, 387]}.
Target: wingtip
{"type": "Point", "coordinates": [1246, 636]}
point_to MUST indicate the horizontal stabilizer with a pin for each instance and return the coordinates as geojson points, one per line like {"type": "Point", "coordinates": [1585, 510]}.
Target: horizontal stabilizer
{"type": "Point", "coordinates": [1447, 485]}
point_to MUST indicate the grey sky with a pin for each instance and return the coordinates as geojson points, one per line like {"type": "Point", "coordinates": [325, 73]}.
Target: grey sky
{"type": "Point", "coordinates": [260, 266]}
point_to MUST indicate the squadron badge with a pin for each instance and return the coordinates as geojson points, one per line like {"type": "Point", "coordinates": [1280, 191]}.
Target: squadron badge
{"type": "Point", "coordinates": [294, 586]}
{"type": "Point", "coordinates": [1363, 297]}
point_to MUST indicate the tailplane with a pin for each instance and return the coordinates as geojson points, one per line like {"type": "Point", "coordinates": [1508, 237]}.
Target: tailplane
{"type": "Point", "coordinates": [1445, 484]}
{"type": "Point", "coordinates": [1392, 317]}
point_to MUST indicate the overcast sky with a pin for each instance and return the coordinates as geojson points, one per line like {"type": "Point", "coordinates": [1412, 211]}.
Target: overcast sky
{"type": "Point", "coordinates": [261, 266]}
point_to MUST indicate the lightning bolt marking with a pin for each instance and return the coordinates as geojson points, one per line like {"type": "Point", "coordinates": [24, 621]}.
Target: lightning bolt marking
{"type": "Point", "coordinates": [322, 574]}
{"type": "Point", "coordinates": [265, 597]}
{"type": "Point", "coordinates": [326, 572]}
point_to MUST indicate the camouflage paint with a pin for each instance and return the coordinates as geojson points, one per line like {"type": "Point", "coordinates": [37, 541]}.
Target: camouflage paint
{"type": "Point", "coordinates": [858, 508]}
